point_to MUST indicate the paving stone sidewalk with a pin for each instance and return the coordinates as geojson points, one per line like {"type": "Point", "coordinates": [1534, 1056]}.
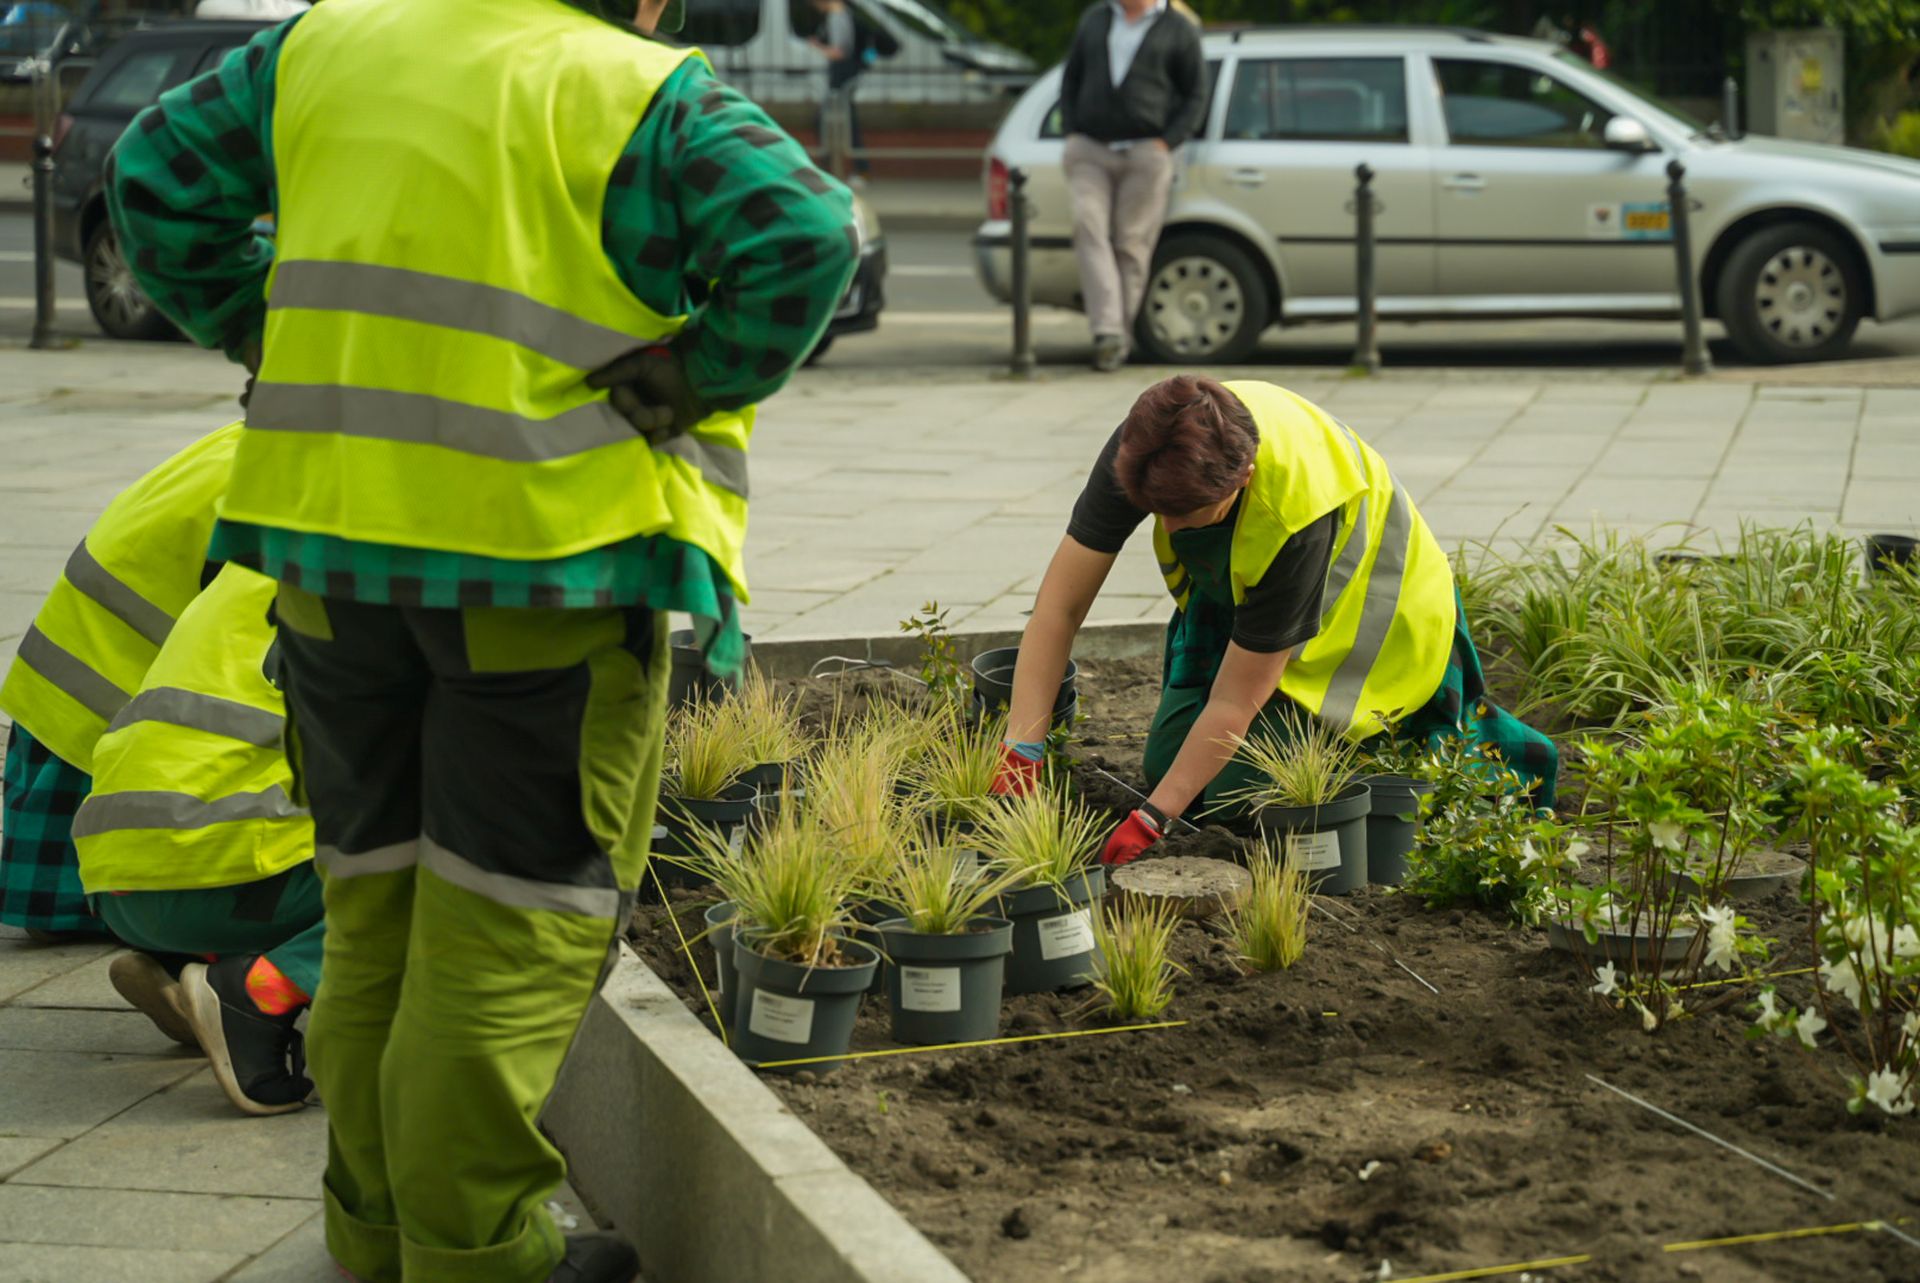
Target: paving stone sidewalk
{"type": "Point", "coordinates": [119, 1159]}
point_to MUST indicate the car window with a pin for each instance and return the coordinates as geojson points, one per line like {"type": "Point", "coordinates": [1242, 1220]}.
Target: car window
{"type": "Point", "coordinates": [1319, 100]}
{"type": "Point", "coordinates": [720, 22]}
{"type": "Point", "coordinates": [1498, 104]}
{"type": "Point", "coordinates": [136, 82]}
{"type": "Point", "coordinates": [1050, 125]}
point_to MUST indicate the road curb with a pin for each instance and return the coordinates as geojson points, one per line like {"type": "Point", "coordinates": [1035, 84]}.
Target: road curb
{"type": "Point", "coordinates": [671, 1140]}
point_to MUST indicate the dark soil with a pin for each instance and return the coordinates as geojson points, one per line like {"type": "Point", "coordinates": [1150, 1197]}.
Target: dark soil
{"type": "Point", "coordinates": [1231, 1150]}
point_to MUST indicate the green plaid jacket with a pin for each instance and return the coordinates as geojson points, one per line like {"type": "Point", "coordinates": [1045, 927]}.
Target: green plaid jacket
{"type": "Point", "coordinates": [685, 226]}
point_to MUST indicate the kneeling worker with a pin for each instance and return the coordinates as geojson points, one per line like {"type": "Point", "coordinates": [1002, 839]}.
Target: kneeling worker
{"type": "Point", "coordinates": [1304, 581]}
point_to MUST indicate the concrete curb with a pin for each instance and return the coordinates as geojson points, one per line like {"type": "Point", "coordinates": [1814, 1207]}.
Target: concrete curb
{"type": "Point", "coordinates": [676, 1144]}
{"type": "Point", "coordinates": [795, 656]}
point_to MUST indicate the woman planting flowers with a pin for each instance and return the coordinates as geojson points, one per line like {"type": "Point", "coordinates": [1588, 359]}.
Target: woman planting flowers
{"type": "Point", "coordinates": [1303, 579]}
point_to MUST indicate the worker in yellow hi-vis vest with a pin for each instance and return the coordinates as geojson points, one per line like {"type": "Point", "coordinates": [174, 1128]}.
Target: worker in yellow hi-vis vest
{"type": "Point", "coordinates": [1305, 585]}
{"type": "Point", "coordinates": [532, 273]}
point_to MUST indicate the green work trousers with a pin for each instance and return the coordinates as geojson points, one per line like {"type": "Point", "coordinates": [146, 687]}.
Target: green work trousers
{"type": "Point", "coordinates": [279, 916]}
{"type": "Point", "coordinates": [482, 782]}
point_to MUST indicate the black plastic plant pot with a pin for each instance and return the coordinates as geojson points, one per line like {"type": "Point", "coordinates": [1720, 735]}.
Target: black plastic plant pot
{"type": "Point", "coordinates": [1392, 822]}
{"type": "Point", "coordinates": [1053, 944]}
{"type": "Point", "coordinates": [946, 988]}
{"type": "Point", "coordinates": [1621, 946]}
{"type": "Point", "coordinates": [993, 685]}
{"type": "Point", "coordinates": [1758, 875]}
{"type": "Point", "coordinates": [786, 1011]}
{"type": "Point", "coordinates": [720, 935]}
{"type": "Point", "coordinates": [870, 914]}
{"type": "Point", "coordinates": [726, 815]}
{"type": "Point", "coordinates": [668, 860]}
{"type": "Point", "coordinates": [1886, 551]}
{"type": "Point", "coordinates": [1328, 841]}
{"type": "Point", "coordinates": [688, 680]}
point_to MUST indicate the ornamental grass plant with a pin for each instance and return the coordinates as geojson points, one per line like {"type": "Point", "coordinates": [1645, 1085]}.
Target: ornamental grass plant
{"type": "Point", "coordinates": [938, 887]}
{"type": "Point", "coordinates": [1269, 930]}
{"type": "Point", "coordinates": [768, 721]}
{"type": "Point", "coordinates": [789, 886]}
{"type": "Point", "coordinates": [1042, 839]}
{"type": "Point", "coordinates": [1136, 974]}
{"type": "Point", "coordinates": [953, 775]}
{"type": "Point", "coordinates": [851, 793]}
{"type": "Point", "coordinates": [1304, 763]}
{"type": "Point", "coordinates": [707, 751]}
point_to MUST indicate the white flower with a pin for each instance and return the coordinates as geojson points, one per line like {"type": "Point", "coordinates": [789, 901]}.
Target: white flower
{"type": "Point", "coordinates": [1840, 977]}
{"type": "Point", "coordinates": [1576, 849]}
{"type": "Point", "coordinates": [1768, 1012]}
{"type": "Point", "coordinates": [1887, 1089]}
{"type": "Point", "coordinates": [1869, 935]}
{"type": "Point", "coordinates": [1667, 834]}
{"type": "Point", "coordinates": [1906, 942]}
{"type": "Point", "coordinates": [1808, 1026]}
{"type": "Point", "coordinates": [1648, 1021]}
{"type": "Point", "coordinates": [1529, 856]}
{"type": "Point", "coordinates": [1609, 981]}
{"type": "Point", "coordinates": [1722, 945]}
{"type": "Point", "coordinates": [1911, 1025]}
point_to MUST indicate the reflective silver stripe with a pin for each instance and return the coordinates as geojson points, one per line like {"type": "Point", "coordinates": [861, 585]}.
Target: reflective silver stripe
{"type": "Point", "coordinates": [452, 304]}
{"type": "Point", "coordinates": [159, 809]}
{"type": "Point", "coordinates": [120, 601]}
{"type": "Point", "coordinates": [381, 859]}
{"type": "Point", "coordinates": [1376, 613]}
{"type": "Point", "coordinates": [420, 419]}
{"type": "Point", "coordinates": [1348, 563]}
{"type": "Point", "coordinates": [518, 893]}
{"type": "Point", "coordinates": [71, 674]}
{"type": "Point", "coordinates": [208, 713]}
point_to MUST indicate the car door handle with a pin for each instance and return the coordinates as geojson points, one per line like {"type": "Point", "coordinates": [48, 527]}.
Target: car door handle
{"type": "Point", "coordinates": [1465, 183]}
{"type": "Point", "coordinates": [1248, 177]}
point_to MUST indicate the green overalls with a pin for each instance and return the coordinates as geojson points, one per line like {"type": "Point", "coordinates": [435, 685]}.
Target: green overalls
{"type": "Point", "coordinates": [1197, 643]}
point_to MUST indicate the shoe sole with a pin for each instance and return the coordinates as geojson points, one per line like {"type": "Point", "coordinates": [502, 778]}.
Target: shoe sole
{"type": "Point", "coordinates": [156, 995]}
{"type": "Point", "coordinates": [203, 1008]}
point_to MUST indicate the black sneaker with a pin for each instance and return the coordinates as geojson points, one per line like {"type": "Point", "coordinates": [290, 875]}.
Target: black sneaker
{"type": "Point", "coordinates": [260, 1060]}
{"type": "Point", "coordinates": [597, 1258]}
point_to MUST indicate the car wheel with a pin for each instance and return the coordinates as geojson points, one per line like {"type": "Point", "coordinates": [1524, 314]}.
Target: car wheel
{"type": "Point", "coordinates": [1205, 301]}
{"type": "Point", "coordinates": [114, 297]}
{"type": "Point", "coordinates": [1791, 292]}
{"type": "Point", "coordinates": [819, 350]}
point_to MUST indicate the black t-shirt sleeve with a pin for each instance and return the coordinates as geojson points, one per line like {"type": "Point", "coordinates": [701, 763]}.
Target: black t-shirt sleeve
{"type": "Point", "coordinates": [1283, 610]}
{"type": "Point", "coordinates": [1103, 518]}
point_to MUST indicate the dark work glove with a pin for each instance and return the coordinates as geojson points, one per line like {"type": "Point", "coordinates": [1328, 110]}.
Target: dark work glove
{"type": "Point", "coordinates": [649, 389]}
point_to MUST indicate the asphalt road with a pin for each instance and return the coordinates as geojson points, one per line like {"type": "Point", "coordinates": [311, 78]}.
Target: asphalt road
{"type": "Point", "coordinates": [938, 315]}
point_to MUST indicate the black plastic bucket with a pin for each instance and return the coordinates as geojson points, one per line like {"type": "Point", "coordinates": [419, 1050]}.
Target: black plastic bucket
{"type": "Point", "coordinates": [785, 1011]}
{"type": "Point", "coordinates": [946, 988]}
{"type": "Point", "coordinates": [728, 815]}
{"type": "Point", "coordinates": [1328, 841]}
{"type": "Point", "coordinates": [689, 680]}
{"type": "Point", "coordinates": [1392, 824]}
{"type": "Point", "coordinates": [1886, 551]}
{"type": "Point", "coordinates": [1053, 944]}
{"type": "Point", "coordinates": [993, 685]}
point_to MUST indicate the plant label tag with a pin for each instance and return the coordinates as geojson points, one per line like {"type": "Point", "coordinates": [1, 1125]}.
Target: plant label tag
{"type": "Point", "coordinates": [1066, 936]}
{"type": "Point", "coordinates": [780, 1018]}
{"type": "Point", "coordinates": [1314, 851]}
{"type": "Point", "coordinates": [738, 840]}
{"type": "Point", "coordinates": [930, 988]}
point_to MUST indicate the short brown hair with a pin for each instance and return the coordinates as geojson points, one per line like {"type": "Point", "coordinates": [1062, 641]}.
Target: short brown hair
{"type": "Point", "coordinates": [1184, 445]}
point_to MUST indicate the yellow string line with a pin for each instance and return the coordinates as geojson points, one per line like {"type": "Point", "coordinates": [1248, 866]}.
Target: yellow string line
{"type": "Point", "coordinates": [1741, 980]}
{"type": "Point", "coordinates": [956, 1046]}
{"type": "Point", "coordinates": [687, 949]}
{"type": "Point", "coordinates": [1774, 1237]}
{"type": "Point", "coordinates": [1489, 1271]}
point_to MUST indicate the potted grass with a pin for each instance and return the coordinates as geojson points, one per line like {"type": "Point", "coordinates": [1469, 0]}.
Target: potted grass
{"type": "Point", "coordinates": [851, 794]}
{"type": "Point", "coordinates": [798, 972]}
{"type": "Point", "coordinates": [774, 742]}
{"type": "Point", "coordinates": [1269, 929]}
{"type": "Point", "coordinates": [1394, 789]}
{"type": "Point", "coordinates": [951, 782]}
{"type": "Point", "coordinates": [1136, 975]}
{"type": "Point", "coordinates": [1046, 844]}
{"type": "Point", "coordinates": [1305, 793]}
{"type": "Point", "coordinates": [946, 955]}
{"type": "Point", "coordinates": [703, 784]}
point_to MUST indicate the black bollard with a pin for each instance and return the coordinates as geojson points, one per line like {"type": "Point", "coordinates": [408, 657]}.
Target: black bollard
{"type": "Point", "coordinates": [1730, 108]}
{"type": "Point", "coordinates": [1695, 357]}
{"type": "Point", "coordinates": [43, 117]}
{"type": "Point", "coordinates": [1022, 363]}
{"type": "Point", "coordinates": [1366, 353]}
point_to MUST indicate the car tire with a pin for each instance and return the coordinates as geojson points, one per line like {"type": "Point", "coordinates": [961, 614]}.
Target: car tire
{"type": "Point", "coordinates": [113, 296]}
{"type": "Point", "coordinates": [819, 350]}
{"type": "Point", "coordinates": [1792, 292]}
{"type": "Point", "coordinates": [1205, 302]}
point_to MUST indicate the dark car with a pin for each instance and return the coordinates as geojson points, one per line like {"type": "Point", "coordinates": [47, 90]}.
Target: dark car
{"type": "Point", "coordinates": [131, 74]}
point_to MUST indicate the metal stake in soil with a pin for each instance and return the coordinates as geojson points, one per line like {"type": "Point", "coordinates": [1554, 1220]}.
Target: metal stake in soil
{"type": "Point", "coordinates": [1677, 1121]}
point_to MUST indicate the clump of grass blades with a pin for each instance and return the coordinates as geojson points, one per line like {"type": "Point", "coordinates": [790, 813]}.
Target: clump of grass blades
{"type": "Point", "coordinates": [850, 791]}
{"type": "Point", "coordinates": [789, 887]}
{"type": "Point", "coordinates": [1042, 839]}
{"type": "Point", "coordinates": [938, 889]}
{"type": "Point", "coordinates": [707, 751]}
{"type": "Point", "coordinates": [1307, 764]}
{"type": "Point", "coordinates": [954, 774]}
{"type": "Point", "coordinates": [769, 722]}
{"type": "Point", "coordinates": [1270, 929]}
{"type": "Point", "coordinates": [1136, 972]}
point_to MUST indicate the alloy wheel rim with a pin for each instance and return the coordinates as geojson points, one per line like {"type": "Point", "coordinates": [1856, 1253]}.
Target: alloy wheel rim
{"type": "Point", "coordinates": [115, 289]}
{"type": "Point", "coordinates": [1801, 297]}
{"type": "Point", "coordinates": [1195, 305]}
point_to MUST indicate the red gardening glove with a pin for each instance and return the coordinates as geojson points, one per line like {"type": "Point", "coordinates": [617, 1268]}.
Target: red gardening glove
{"type": "Point", "coordinates": [1018, 775]}
{"type": "Point", "coordinates": [1133, 836]}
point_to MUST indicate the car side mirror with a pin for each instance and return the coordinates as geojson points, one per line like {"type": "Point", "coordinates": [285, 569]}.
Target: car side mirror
{"type": "Point", "coordinates": [1623, 133]}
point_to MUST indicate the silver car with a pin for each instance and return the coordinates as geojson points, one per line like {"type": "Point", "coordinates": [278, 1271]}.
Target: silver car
{"type": "Point", "coordinates": [1513, 180]}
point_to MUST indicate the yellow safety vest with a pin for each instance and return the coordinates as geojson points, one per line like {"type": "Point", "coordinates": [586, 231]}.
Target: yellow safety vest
{"type": "Point", "coordinates": [88, 649]}
{"type": "Point", "coordinates": [1387, 617]}
{"type": "Point", "coordinates": [191, 785]}
{"type": "Point", "coordinates": [441, 292]}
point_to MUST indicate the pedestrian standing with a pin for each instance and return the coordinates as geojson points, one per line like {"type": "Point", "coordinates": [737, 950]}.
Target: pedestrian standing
{"type": "Point", "coordinates": [840, 43]}
{"type": "Point", "coordinates": [531, 272]}
{"type": "Point", "coordinates": [1133, 90]}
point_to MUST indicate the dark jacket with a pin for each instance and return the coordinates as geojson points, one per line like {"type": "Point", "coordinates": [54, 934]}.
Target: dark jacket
{"type": "Point", "coordinates": [1163, 96]}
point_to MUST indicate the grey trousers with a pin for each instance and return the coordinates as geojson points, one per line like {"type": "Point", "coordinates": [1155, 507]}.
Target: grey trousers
{"type": "Point", "coordinates": [1119, 203]}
